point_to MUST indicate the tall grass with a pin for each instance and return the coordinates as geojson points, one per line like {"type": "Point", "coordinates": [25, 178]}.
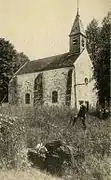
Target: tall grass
{"type": "Point", "coordinates": [91, 148]}
{"type": "Point", "coordinates": [12, 139]}
{"type": "Point", "coordinates": [30, 174]}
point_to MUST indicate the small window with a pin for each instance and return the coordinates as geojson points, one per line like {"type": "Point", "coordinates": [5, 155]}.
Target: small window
{"type": "Point", "coordinates": [54, 97]}
{"type": "Point", "coordinates": [86, 81]}
{"type": "Point", "coordinates": [27, 98]}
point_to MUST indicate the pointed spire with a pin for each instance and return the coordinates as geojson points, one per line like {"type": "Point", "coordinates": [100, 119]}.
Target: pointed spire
{"type": "Point", "coordinates": [77, 25]}
{"type": "Point", "coordinates": [77, 34]}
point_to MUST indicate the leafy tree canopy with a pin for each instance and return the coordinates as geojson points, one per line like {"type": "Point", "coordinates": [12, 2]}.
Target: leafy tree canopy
{"type": "Point", "coordinates": [10, 62]}
{"type": "Point", "coordinates": [99, 48]}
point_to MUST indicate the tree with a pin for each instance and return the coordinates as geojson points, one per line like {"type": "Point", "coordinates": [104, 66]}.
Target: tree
{"type": "Point", "coordinates": [93, 39]}
{"type": "Point", "coordinates": [103, 62]}
{"type": "Point", "coordinates": [7, 54]}
{"type": "Point", "coordinates": [10, 62]}
{"type": "Point", "coordinates": [99, 49]}
{"type": "Point", "coordinates": [20, 60]}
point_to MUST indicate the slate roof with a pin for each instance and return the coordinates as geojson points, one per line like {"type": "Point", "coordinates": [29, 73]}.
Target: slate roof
{"type": "Point", "coordinates": [77, 26]}
{"type": "Point", "coordinates": [54, 62]}
{"type": "Point", "coordinates": [48, 63]}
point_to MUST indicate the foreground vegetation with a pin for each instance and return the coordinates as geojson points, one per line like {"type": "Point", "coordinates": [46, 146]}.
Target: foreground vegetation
{"type": "Point", "coordinates": [31, 174]}
{"type": "Point", "coordinates": [91, 156]}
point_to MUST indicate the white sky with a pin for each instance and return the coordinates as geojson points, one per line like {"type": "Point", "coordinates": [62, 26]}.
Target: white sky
{"type": "Point", "coordinates": [40, 28]}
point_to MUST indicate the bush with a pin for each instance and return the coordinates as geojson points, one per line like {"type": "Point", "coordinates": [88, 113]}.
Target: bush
{"type": "Point", "coordinates": [12, 141]}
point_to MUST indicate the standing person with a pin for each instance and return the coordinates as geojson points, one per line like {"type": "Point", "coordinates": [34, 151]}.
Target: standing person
{"type": "Point", "coordinates": [82, 114]}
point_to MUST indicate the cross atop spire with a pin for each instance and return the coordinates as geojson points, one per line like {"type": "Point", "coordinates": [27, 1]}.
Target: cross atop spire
{"type": "Point", "coordinates": [78, 7]}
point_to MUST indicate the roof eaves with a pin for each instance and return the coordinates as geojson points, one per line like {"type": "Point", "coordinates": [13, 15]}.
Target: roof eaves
{"type": "Point", "coordinates": [21, 68]}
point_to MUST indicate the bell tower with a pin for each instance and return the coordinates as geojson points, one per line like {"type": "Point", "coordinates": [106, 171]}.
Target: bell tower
{"type": "Point", "coordinates": [77, 37]}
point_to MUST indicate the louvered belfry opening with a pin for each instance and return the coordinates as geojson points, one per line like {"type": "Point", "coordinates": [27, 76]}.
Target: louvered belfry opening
{"type": "Point", "coordinates": [38, 89]}
{"type": "Point", "coordinates": [69, 87]}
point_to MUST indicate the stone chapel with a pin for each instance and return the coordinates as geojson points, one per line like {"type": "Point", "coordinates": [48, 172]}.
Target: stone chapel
{"type": "Point", "coordinates": [61, 80]}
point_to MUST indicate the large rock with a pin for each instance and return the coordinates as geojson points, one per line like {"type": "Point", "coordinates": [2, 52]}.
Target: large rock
{"type": "Point", "coordinates": [51, 157]}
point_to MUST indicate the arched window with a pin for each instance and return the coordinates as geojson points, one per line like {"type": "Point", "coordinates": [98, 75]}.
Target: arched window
{"type": "Point", "coordinates": [86, 81]}
{"type": "Point", "coordinates": [27, 98]}
{"type": "Point", "coordinates": [54, 97]}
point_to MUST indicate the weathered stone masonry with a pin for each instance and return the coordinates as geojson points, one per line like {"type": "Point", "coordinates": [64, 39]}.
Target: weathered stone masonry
{"type": "Point", "coordinates": [53, 80]}
{"type": "Point", "coordinates": [65, 79]}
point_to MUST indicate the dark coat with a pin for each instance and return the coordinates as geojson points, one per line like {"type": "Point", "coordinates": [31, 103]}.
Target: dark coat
{"type": "Point", "coordinates": [82, 111]}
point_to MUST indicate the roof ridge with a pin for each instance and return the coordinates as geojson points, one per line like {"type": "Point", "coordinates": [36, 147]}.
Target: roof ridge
{"type": "Point", "coordinates": [49, 57]}
{"type": "Point", "coordinates": [50, 63]}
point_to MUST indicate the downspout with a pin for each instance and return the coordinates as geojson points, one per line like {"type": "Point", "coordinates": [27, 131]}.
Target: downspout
{"type": "Point", "coordinates": [75, 93]}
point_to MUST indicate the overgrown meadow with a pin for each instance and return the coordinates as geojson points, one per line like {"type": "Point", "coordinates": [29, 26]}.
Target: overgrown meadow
{"type": "Point", "coordinates": [22, 128]}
